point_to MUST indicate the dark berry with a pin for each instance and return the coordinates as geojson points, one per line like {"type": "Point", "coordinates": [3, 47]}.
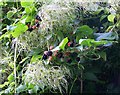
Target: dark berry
{"type": "Point", "coordinates": [30, 29]}
{"type": "Point", "coordinates": [69, 60]}
{"type": "Point", "coordinates": [74, 54]}
{"type": "Point", "coordinates": [44, 56]}
{"type": "Point", "coordinates": [37, 24]}
{"type": "Point", "coordinates": [38, 18]}
{"type": "Point", "coordinates": [60, 55]}
{"type": "Point", "coordinates": [78, 59]}
{"type": "Point", "coordinates": [49, 53]}
{"type": "Point", "coordinates": [70, 44]}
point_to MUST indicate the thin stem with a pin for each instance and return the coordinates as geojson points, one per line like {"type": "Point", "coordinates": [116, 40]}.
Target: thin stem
{"type": "Point", "coordinates": [72, 85]}
{"type": "Point", "coordinates": [15, 58]}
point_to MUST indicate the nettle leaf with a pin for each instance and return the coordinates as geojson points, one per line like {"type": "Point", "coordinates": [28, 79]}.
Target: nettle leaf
{"type": "Point", "coordinates": [25, 3]}
{"type": "Point", "coordinates": [20, 28]}
{"type": "Point", "coordinates": [83, 31]}
{"type": "Point", "coordinates": [63, 43]}
{"type": "Point", "coordinates": [111, 18]}
{"type": "Point", "coordinates": [10, 14]}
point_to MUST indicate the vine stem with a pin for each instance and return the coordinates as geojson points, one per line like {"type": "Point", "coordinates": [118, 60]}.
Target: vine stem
{"type": "Point", "coordinates": [15, 58]}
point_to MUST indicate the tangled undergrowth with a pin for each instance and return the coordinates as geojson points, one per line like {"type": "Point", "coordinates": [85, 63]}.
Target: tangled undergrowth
{"type": "Point", "coordinates": [68, 36]}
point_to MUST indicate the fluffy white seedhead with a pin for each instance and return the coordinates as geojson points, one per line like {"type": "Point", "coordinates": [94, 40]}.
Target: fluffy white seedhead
{"type": "Point", "coordinates": [46, 76]}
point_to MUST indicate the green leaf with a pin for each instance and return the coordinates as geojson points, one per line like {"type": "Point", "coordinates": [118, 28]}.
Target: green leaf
{"type": "Point", "coordinates": [86, 42]}
{"type": "Point", "coordinates": [30, 86]}
{"type": "Point", "coordinates": [29, 18]}
{"type": "Point", "coordinates": [63, 43]}
{"type": "Point", "coordinates": [103, 55]}
{"type": "Point", "coordinates": [11, 77]}
{"type": "Point", "coordinates": [90, 76]}
{"type": "Point", "coordinates": [26, 3]}
{"type": "Point", "coordinates": [102, 17]}
{"type": "Point", "coordinates": [91, 42]}
{"type": "Point", "coordinates": [98, 11]}
{"type": "Point", "coordinates": [83, 31]}
{"type": "Point", "coordinates": [35, 58]}
{"type": "Point", "coordinates": [10, 14]}
{"type": "Point", "coordinates": [21, 28]}
{"type": "Point", "coordinates": [111, 18]}
{"type": "Point", "coordinates": [21, 88]}
{"type": "Point", "coordinates": [28, 10]}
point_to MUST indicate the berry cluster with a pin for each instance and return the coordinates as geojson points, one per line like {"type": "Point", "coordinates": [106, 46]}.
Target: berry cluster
{"type": "Point", "coordinates": [71, 43]}
{"type": "Point", "coordinates": [68, 56]}
{"type": "Point", "coordinates": [36, 25]}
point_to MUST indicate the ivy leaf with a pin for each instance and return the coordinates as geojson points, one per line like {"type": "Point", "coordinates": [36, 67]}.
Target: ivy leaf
{"type": "Point", "coordinates": [21, 28]}
{"type": "Point", "coordinates": [63, 43]}
{"type": "Point", "coordinates": [111, 18]}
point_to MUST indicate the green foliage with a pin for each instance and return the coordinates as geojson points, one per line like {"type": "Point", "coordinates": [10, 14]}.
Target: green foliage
{"type": "Point", "coordinates": [79, 37]}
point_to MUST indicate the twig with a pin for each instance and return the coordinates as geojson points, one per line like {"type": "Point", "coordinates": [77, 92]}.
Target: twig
{"type": "Point", "coordinates": [15, 58]}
